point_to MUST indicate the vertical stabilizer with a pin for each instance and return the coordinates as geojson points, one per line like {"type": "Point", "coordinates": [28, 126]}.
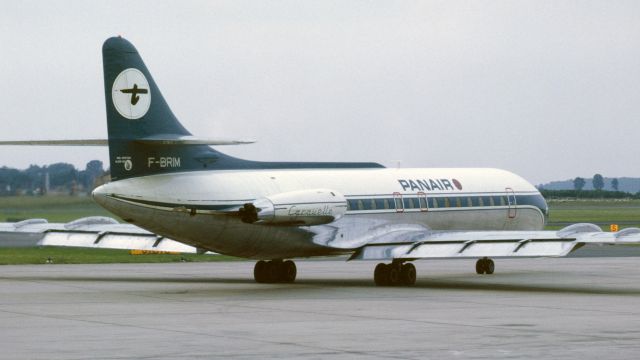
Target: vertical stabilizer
{"type": "Point", "coordinates": [145, 138]}
{"type": "Point", "coordinates": [137, 111]}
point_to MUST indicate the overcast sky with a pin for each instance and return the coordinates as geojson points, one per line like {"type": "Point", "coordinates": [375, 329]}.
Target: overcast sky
{"type": "Point", "coordinates": [547, 89]}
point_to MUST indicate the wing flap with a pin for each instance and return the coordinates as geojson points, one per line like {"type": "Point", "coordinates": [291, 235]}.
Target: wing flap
{"type": "Point", "coordinates": [462, 249]}
{"type": "Point", "coordinates": [497, 244]}
{"type": "Point", "coordinates": [114, 240]}
{"type": "Point", "coordinates": [91, 232]}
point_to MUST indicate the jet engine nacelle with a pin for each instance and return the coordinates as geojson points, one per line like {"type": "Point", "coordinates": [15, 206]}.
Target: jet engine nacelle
{"type": "Point", "coordinates": [296, 208]}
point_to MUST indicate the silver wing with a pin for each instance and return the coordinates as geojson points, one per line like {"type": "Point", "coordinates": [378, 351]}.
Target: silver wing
{"type": "Point", "coordinates": [89, 232]}
{"type": "Point", "coordinates": [495, 244]}
{"type": "Point", "coordinates": [390, 244]}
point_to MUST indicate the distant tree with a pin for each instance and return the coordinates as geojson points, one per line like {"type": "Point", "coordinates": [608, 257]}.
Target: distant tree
{"type": "Point", "coordinates": [92, 171]}
{"type": "Point", "coordinates": [62, 174]}
{"type": "Point", "coordinates": [615, 184]}
{"type": "Point", "coordinates": [94, 167]}
{"type": "Point", "coordinates": [33, 178]}
{"type": "Point", "coordinates": [579, 183]}
{"type": "Point", "coordinates": [10, 181]}
{"type": "Point", "coordinates": [598, 182]}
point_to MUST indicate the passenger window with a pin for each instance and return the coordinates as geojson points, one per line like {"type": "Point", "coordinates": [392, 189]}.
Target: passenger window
{"type": "Point", "coordinates": [458, 202]}
{"type": "Point", "coordinates": [351, 205]}
{"type": "Point", "coordinates": [480, 202]}
{"type": "Point", "coordinates": [360, 205]}
{"type": "Point", "coordinates": [469, 202]}
{"type": "Point", "coordinates": [446, 202]}
{"type": "Point", "coordinates": [503, 202]}
{"type": "Point", "coordinates": [491, 202]}
{"type": "Point", "coordinates": [372, 204]}
{"type": "Point", "coordinates": [386, 204]}
{"type": "Point", "coordinates": [423, 203]}
{"type": "Point", "coordinates": [408, 203]}
{"type": "Point", "coordinates": [487, 200]}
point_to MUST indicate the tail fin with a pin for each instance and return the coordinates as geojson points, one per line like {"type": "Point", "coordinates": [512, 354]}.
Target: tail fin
{"type": "Point", "coordinates": [144, 136]}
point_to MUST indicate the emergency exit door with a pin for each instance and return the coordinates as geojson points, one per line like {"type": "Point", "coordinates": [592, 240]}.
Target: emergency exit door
{"type": "Point", "coordinates": [512, 209]}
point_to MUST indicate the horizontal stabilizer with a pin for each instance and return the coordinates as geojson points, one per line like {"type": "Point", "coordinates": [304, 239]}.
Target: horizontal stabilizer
{"type": "Point", "coordinates": [190, 140]}
{"type": "Point", "coordinates": [155, 140]}
{"type": "Point", "coordinates": [82, 142]}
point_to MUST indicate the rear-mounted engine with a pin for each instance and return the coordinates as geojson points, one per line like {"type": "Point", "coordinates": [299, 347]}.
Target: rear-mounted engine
{"type": "Point", "coordinates": [296, 208]}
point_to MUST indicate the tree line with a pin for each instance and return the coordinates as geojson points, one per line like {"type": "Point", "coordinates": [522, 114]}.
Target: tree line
{"type": "Point", "coordinates": [63, 178]}
{"type": "Point", "coordinates": [54, 178]}
{"type": "Point", "coordinates": [598, 193]}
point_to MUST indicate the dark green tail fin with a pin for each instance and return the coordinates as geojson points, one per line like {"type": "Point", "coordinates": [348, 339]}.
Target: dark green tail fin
{"type": "Point", "coordinates": [144, 135]}
{"type": "Point", "coordinates": [145, 138]}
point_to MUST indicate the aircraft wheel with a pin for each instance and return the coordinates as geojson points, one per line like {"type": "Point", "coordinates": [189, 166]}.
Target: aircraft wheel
{"type": "Point", "coordinates": [408, 274]}
{"type": "Point", "coordinates": [490, 266]}
{"type": "Point", "coordinates": [394, 275]}
{"type": "Point", "coordinates": [480, 266]}
{"type": "Point", "coordinates": [381, 274]}
{"type": "Point", "coordinates": [485, 266]}
{"type": "Point", "coordinates": [260, 271]}
{"type": "Point", "coordinates": [288, 271]}
{"type": "Point", "coordinates": [273, 271]}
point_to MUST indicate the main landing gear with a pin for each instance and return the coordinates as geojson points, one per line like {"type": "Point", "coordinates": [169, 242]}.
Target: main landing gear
{"type": "Point", "coordinates": [485, 266]}
{"type": "Point", "coordinates": [394, 274]}
{"type": "Point", "coordinates": [275, 271]}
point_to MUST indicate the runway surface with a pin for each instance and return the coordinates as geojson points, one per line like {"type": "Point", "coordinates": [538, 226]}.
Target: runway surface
{"type": "Point", "coordinates": [581, 308]}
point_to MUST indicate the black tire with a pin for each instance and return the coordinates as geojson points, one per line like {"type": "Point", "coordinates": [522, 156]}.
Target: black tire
{"type": "Point", "coordinates": [394, 275]}
{"type": "Point", "coordinates": [489, 267]}
{"type": "Point", "coordinates": [260, 271]}
{"type": "Point", "coordinates": [288, 271]}
{"type": "Point", "coordinates": [381, 274]}
{"type": "Point", "coordinates": [273, 271]}
{"type": "Point", "coordinates": [480, 266]}
{"type": "Point", "coordinates": [408, 274]}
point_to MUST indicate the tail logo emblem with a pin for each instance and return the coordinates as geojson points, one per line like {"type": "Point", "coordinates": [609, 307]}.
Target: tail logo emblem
{"type": "Point", "coordinates": [134, 93]}
{"type": "Point", "coordinates": [131, 94]}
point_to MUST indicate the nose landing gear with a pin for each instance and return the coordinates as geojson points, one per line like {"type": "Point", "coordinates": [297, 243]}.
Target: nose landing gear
{"type": "Point", "coordinates": [275, 271]}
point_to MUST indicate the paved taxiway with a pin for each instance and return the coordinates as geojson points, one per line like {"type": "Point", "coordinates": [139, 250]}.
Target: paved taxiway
{"type": "Point", "coordinates": [531, 308]}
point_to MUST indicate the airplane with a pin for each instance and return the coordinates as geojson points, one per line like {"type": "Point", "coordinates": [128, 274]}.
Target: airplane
{"type": "Point", "coordinates": [174, 184]}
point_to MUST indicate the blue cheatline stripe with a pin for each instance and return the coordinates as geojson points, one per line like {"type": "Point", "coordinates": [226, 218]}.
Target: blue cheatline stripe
{"type": "Point", "coordinates": [224, 207]}
{"type": "Point", "coordinates": [391, 204]}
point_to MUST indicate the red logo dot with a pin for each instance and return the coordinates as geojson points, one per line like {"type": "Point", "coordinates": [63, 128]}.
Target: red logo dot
{"type": "Point", "coordinates": [457, 184]}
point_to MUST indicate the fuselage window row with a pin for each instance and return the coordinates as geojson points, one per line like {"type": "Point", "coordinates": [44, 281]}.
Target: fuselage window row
{"type": "Point", "coordinates": [423, 203]}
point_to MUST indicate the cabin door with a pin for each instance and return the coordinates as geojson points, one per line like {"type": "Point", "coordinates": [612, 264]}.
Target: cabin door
{"type": "Point", "coordinates": [397, 199]}
{"type": "Point", "coordinates": [422, 199]}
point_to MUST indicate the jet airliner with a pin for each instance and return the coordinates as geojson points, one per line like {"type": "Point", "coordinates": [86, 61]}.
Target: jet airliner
{"type": "Point", "coordinates": [174, 184]}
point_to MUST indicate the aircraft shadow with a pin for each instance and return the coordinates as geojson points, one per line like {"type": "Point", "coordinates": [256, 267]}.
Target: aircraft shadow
{"type": "Point", "coordinates": [302, 283]}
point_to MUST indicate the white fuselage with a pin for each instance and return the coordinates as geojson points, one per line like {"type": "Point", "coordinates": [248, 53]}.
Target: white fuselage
{"type": "Point", "coordinates": [200, 208]}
